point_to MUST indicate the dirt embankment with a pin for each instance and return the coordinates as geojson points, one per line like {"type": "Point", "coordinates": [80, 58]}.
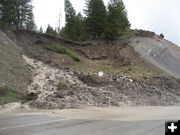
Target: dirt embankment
{"type": "Point", "coordinates": [61, 82]}
{"type": "Point", "coordinates": [14, 76]}
{"type": "Point", "coordinates": [115, 57]}
{"type": "Point", "coordinates": [159, 52]}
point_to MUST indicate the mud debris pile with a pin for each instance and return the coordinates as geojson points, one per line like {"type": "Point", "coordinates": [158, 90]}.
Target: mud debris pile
{"type": "Point", "coordinates": [59, 89]}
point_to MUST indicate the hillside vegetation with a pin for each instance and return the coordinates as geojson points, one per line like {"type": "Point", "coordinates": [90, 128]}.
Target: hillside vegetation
{"type": "Point", "coordinates": [62, 50]}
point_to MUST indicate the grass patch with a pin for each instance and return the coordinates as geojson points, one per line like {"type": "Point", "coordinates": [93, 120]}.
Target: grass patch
{"type": "Point", "coordinates": [62, 50]}
{"type": "Point", "coordinates": [8, 95]}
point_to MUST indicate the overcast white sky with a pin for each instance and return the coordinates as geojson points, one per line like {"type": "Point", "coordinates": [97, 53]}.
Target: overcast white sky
{"type": "Point", "coordinates": [160, 16]}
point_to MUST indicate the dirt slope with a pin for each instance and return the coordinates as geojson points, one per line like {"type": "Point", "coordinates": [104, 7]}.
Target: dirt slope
{"type": "Point", "coordinates": [61, 82]}
{"type": "Point", "coordinates": [14, 76]}
{"type": "Point", "coordinates": [109, 57]}
{"type": "Point", "coordinates": [159, 52]}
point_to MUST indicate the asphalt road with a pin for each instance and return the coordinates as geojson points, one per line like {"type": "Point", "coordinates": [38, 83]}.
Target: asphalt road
{"type": "Point", "coordinates": [95, 121]}
{"type": "Point", "coordinates": [46, 125]}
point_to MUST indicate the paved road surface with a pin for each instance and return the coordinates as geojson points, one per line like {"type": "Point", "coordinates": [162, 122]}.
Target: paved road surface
{"type": "Point", "coordinates": [44, 124]}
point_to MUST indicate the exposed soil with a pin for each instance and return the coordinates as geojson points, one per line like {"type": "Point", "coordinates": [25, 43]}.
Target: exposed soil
{"type": "Point", "coordinates": [116, 57]}
{"type": "Point", "coordinates": [63, 89]}
{"type": "Point", "coordinates": [159, 52]}
{"type": "Point", "coordinates": [60, 82]}
{"type": "Point", "coordinates": [13, 70]}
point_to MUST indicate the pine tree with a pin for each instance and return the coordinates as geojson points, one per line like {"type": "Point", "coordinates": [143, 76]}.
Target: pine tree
{"type": "Point", "coordinates": [41, 30]}
{"type": "Point", "coordinates": [70, 16]}
{"type": "Point", "coordinates": [29, 21]}
{"type": "Point", "coordinates": [96, 17]}
{"type": "Point", "coordinates": [79, 26]}
{"type": "Point", "coordinates": [50, 30]}
{"type": "Point", "coordinates": [70, 13]}
{"type": "Point", "coordinates": [117, 19]}
{"type": "Point", "coordinates": [17, 13]}
{"type": "Point", "coordinates": [7, 10]}
{"type": "Point", "coordinates": [24, 14]}
{"type": "Point", "coordinates": [74, 27]}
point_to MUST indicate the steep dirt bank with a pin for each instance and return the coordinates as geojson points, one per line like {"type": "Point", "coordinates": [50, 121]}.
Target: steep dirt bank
{"type": "Point", "coordinates": [60, 82]}
{"type": "Point", "coordinates": [13, 71]}
{"type": "Point", "coordinates": [14, 76]}
{"type": "Point", "coordinates": [111, 57]}
{"type": "Point", "coordinates": [55, 88]}
{"type": "Point", "coordinates": [159, 52]}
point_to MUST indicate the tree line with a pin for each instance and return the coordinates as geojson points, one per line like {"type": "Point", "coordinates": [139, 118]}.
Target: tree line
{"type": "Point", "coordinates": [17, 14]}
{"type": "Point", "coordinates": [98, 21]}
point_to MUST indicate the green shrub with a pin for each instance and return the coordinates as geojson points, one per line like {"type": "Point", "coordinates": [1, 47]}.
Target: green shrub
{"type": "Point", "coordinates": [60, 49]}
{"type": "Point", "coordinates": [7, 95]}
{"type": "Point", "coordinates": [161, 35]}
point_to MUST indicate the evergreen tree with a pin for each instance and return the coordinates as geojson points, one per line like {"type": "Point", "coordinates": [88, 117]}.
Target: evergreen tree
{"type": "Point", "coordinates": [70, 13]}
{"type": "Point", "coordinates": [50, 30]}
{"type": "Point", "coordinates": [24, 14]}
{"type": "Point", "coordinates": [41, 30]}
{"type": "Point", "coordinates": [7, 10]}
{"type": "Point", "coordinates": [117, 19]}
{"type": "Point", "coordinates": [79, 27]}
{"type": "Point", "coordinates": [29, 21]}
{"type": "Point", "coordinates": [74, 27]}
{"type": "Point", "coordinates": [96, 17]}
{"type": "Point", "coordinates": [70, 17]}
{"type": "Point", "coordinates": [17, 13]}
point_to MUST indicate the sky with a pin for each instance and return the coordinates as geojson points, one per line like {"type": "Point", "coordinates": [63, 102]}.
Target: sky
{"type": "Point", "coordinates": [160, 16]}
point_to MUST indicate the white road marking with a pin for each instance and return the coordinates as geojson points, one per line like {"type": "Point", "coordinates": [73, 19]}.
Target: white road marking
{"type": "Point", "coordinates": [32, 124]}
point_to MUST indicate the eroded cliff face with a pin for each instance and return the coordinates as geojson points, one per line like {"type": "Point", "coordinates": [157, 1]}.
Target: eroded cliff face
{"type": "Point", "coordinates": [14, 76]}
{"type": "Point", "coordinates": [159, 52]}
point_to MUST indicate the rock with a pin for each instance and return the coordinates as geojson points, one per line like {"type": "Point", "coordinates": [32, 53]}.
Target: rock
{"type": "Point", "coordinates": [131, 80]}
{"type": "Point", "coordinates": [31, 96]}
{"type": "Point", "coordinates": [100, 74]}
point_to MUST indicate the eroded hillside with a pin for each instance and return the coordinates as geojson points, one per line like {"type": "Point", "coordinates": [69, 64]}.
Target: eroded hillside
{"type": "Point", "coordinates": [159, 52]}
{"type": "Point", "coordinates": [14, 76]}
{"type": "Point", "coordinates": [61, 81]}
{"type": "Point", "coordinates": [110, 57]}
